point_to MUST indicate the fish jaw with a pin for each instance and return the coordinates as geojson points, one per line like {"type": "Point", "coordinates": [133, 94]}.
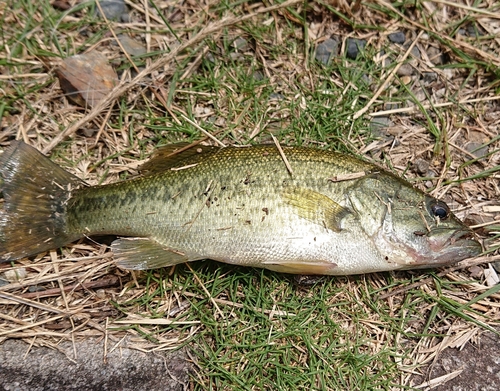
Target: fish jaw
{"type": "Point", "coordinates": [432, 251]}
{"type": "Point", "coordinates": [446, 249]}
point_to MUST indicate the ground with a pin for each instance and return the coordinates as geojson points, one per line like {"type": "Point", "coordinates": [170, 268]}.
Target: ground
{"type": "Point", "coordinates": [410, 86]}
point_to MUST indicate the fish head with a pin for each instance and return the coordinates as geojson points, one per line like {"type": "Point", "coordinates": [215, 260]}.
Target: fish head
{"type": "Point", "coordinates": [430, 234]}
{"type": "Point", "coordinates": [411, 229]}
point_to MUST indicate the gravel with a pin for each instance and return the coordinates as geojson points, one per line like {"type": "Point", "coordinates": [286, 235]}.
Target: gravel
{"type": "Point", "coordinates": [397, 37]}
{"type": "Point", "coordinates": [326, 50]}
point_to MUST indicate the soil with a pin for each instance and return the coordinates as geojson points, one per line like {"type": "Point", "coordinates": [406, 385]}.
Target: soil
{"type": "Point", "coordinates": [480, 365]}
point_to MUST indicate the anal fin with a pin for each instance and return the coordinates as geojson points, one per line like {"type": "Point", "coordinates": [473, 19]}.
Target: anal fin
{"type": "Point", "coordinates": [145, 253]}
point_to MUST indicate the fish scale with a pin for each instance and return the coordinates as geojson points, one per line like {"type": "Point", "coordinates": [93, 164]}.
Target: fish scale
{"type": "Point", "coordinates": [331, 214]}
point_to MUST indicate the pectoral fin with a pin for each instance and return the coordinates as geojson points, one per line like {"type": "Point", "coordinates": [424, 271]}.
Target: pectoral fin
{"type": "Point", "coordinates": [144, 253]}
{"type": "Point", "coordinates": [316, 207]}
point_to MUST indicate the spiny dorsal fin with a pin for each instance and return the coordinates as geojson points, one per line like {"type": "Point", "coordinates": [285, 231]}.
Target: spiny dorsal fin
{"type": "Point", "coordinates": [144, 253]}
{"type": "Point", "coordinates": [315, 207]}
{"type": "Point", "coordinates": [174, 156]}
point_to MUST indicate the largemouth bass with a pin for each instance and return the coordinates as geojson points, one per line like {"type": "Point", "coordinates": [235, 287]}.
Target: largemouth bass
{"type": "Point", "coordinates": [298, 210]}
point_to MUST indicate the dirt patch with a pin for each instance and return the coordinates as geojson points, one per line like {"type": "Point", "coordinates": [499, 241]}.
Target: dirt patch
{"type": "Point", "coordinates": [480, 365]}
{"type": "Point", "coordinates": [83, 366]}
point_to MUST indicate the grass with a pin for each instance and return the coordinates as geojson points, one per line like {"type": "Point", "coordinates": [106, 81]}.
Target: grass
{"type": "Point", "coordinates": [252, 329]}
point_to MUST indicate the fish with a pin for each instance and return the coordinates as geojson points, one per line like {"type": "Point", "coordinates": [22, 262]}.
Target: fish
{"type": "Point", "coordinates": [294, 210]}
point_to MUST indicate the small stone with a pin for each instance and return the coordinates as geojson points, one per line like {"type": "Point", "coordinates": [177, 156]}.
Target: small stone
{"type": "Point", "coordinates": [496, 266]}
{"type": "Point", "coordinates": [112, 9]}
{"type": "Point", "coordinates": [258, 76]}
{"type": "Point", "coordinates": [391, 106]}
{"type": "Point", "coordinates": [405, 70]}
{"type": "Point", "coordinates": [125, 18]}
{"type": "Point", "coordinates": [327, 50]}
{"type": "Point", "coordinates": [354, 46]}
{"type": "Point", "coordinates": [415, 52]}
{"type": "Point", "coordinates": [89, 132]}
{"type": "Point", "coordinates": [430, 174]}
{"type": "Point", "coordinates": [210, 57]}
{"type": "Point", "coordinates": [473, 31]}
{"type": "Point", "coordinates": [3, 282]}
{"type": "Point", "coordinates": [35, 288]}
{"type": "Point", "coordinates": [86, 78]}
{"type": "Point", "coordinates": [131, 46]}
{"type": "Point", "coordinates": [235, 56]}
{"type": "Point", "coordinates": [276, 96]}
{"type": "Point", "coordinates": [429, 77]}
{"type": "Point", "coordinates": [421, 166]}
{"type": "Point", "coordinates": [406, 80]}
{"type": "Point", "coordinates": [476, 271]}
{"type": "Point", "coordinates": [397, 37]}
{"type": "Point", "coordinates": [477, 149]}
{"type": "Point", "coordinates": [241, 44]}
{"type": "Point", "coordinates": [379, 125]}
{"type": "Point", "coordinates": [435, 55]}
{"type": "Point", "coordinates": [15, 275]}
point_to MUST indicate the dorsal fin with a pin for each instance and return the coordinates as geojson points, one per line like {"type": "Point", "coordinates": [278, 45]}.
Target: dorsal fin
{"type": "Point", "coordinates": [175, 155]}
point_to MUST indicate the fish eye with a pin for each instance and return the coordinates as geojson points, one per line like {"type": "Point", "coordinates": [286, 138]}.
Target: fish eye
{"type": "Point", "coordinates": [440, 210]}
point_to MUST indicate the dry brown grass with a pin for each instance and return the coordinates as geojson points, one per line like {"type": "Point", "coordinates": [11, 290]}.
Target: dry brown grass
{"type": "Point", "coordinates": [178, 93]}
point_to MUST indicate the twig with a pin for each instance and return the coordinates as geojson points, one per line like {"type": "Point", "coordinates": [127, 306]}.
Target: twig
{"type": "Point", "coordinates": [203, 131]}
{"type": "Point", "coordinates": [102, 283]}
{"type": "Point", "coordinates": [206, 291]}
{"type": "Point", "coordinates": [410, 110]}
{"type": "Point", "coordinates": [283, 156]}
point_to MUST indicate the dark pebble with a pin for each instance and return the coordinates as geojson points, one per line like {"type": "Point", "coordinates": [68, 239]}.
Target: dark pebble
{"type": "Point", "coordinates": [327, 50]}
{"type": "Point", "coordinates": [379, 125]}
{"type": "Point", "coordinates": [391, 106]}
{"type": "Point", "coordinates": [421, 166]}
{"type": "Point", "coordinates": [473, 31]}
{"type": "Point", "coordinates": [131, 46]}
{"type": "Point", "coordinates": [405, 70]}
{"type": "Point", "coordinates": [125, 18]}
{"type": "Point", "coordinates": [112, 9]}
{"type": "Point", "coordinates": [210, 57]}
{"type": "Point", "coordinates": [258, 76]}
{"type": "Point", "coordinates": [241, 44]}
{"type": "Point", "coordinates": [429, 77]}
{"type": "Point", "coordinates": [477, 149]}
{"type": "Point", "coordinates": [435, 55]}
{"type": "Point", "coordinates": [354, 46]}
{"type": "Point", "coordinates": [276, 96]}
{"type": "Point", "coordinates": [397, 37]}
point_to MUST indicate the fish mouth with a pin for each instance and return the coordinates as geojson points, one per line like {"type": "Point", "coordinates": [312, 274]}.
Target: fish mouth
{"type": "Point", "coordinates": [452, 248]}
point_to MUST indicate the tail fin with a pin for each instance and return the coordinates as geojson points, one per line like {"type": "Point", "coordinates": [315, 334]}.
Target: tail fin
{"type": "Point", "coordinates": [35, 192]}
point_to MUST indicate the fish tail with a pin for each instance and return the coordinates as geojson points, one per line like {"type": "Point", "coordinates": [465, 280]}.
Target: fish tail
{"type": "Point", "coordinates": [35, 192]}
